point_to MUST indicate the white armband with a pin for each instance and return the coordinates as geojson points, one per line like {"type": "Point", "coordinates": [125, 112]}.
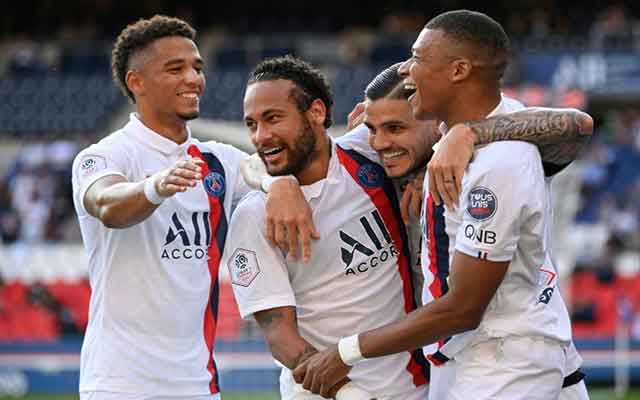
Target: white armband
{"type": "Point", "coordinates": [150, 191]}
{"type": "Point", "coordinates": [268, 180]}
{"type": "Point", "coordinates": [349, 350]}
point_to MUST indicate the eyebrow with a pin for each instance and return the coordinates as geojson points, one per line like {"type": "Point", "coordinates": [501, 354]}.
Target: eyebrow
{"type": "Point", "coordinates": [394, 122]}
{"type": "Point", "coordinates": [180, 61]}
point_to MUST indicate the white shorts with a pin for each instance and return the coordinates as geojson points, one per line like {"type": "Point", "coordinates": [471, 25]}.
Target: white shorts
{"type": "Point", "coordinates": [128, 396]}
{"type": "Point", "coordinates": [290, 390]}
{"type": "Point", "coordinates": [511, 368]}
{"type": "Point", "coordinates": [441, 379]}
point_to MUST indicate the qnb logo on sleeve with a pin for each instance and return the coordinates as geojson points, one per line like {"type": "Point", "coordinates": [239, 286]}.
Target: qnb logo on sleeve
{"type": "Point", "coordinates": [482, 203]}
{"type": "Point", "coordinates": [364, 250]}
{"type": "Point", "coordinates": [187, 240]}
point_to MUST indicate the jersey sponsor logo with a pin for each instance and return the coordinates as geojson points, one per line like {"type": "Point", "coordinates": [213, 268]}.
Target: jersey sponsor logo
{"type": "Point", "coordinates": [375, 250]}
{"type": "Point", "coordinates": [243, 267]}
{"type": "Point", "coordinates": [480, 235]}
{"type": "Point", "coordinates": [90, 164]}
{"type": "Point", "coordinates": [371, 175]}
{"type": "Point", "coordinates": [183, 244]}
{"type": "Point", "coordinates": [547, 277]}
{"type": "Point", "coordinates": [483, 203]}
{"type": "Point", "coordinates": [214, 184]}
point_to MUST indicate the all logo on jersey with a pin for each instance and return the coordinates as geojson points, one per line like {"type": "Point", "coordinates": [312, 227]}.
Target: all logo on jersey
{"type": "Point", "coordinates": [243, 267]}
{"type": "Point", "coordinates": [482, 203]}
{"type": "Point", "coordinates": [183, 244]}
{"type": "Point", "coordinates": [90, 164]}
{"type": "Point", "coordinates": [214, 184]}
{"type": "Point", "coordinates": [375, 250]}
{"type": "Point", "coordinates": [371, 175]}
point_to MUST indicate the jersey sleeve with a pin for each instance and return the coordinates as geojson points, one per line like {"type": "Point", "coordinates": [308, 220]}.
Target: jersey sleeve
{"type": "Point", "coordinates": [496, 205]}
{"type": "Point", "coordinates": [93, 163]}
{"type": "Point", "coordinates": [257, 269]}
{"type": "Point", "coordinates": [358, 139]}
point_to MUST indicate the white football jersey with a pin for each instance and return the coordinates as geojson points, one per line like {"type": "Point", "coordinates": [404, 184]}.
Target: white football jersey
{"type": "Point", "coordinates": [359, 275]}
{"type": "Point", "coordinates": [504, 215]}
{"type": "Point", "coordinates": [154, 302]}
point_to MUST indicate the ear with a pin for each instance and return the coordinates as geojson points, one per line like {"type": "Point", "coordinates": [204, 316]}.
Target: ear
{"type": "Point", "coordinates": [135, 82]}
{"type": "Point", "coordinates": [317, 112]}
{"type": "Point", "coordinates": [461, 69]}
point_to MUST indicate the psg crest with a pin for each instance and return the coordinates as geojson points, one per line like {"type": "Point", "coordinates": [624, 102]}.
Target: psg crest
{"type": "Point", "coordinates": [370, 175]}
{"type": "Point", "coordinates": [482, 203]}
{"type": "Point", "coordinates": [214, 184]}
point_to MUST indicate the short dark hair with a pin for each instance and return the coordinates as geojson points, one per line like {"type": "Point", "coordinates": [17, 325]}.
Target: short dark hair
{"type": "Point", "coordinates": [389, 84]}
{"type": "Point", "coordinates": [475, 28]}
{"type": "Point", "coordinates": [310, 83]}
{"type": "Point", "coordinates": [137, 37]}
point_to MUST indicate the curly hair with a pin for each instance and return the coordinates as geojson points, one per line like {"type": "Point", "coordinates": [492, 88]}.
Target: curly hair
{"type": "Point", "coordinates": [309, 81]}
{"type": "Point", "coordinates": [138, 36]}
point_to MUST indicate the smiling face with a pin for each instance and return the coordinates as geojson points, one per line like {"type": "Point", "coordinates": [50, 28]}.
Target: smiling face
{"type": "Point", "coordinates": [427, 72]}
{"type": "Point", "coordinates": [167, 78]}
{"type": "Point", "coordinates": [402, 142]}
{"type": "Point", "coordinates": [282, 134]}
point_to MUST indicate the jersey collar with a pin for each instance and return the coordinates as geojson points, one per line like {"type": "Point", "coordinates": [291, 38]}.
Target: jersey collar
{"type": "Point", "coordinates": [314, 190]}
{"type": "Point", "coordinates": [152, 139]}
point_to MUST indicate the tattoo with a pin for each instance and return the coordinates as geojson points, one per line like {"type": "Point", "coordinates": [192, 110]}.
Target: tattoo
{"type": "Point", "coordinates": [308, 351]}
{"type": "Point", "coordinates": [268, 319]}
{"type": "Point", "coordinates": [559, 134]}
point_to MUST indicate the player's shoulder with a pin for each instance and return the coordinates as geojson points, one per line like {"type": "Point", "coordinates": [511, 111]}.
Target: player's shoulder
{"type": "Point", "coordinates": [228, 155]}
{"type": "Point", "coordinates": [252, 204]}
{"type": "Point", "coordinates": [506, 159]}
{"type": "Point", "coordinates": [357, 140]}
{"type": "Point", "coordinates": [113, 145]}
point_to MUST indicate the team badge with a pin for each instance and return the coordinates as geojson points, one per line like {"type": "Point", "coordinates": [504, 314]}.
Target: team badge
{"type": "Point", "coordinates": [483, 203]}
{"type": "Point", "coordinates": [214, 184]}
{"type": "Point", "coordinates": [370, 175]}
{"type": "Point", "coordinates": [243, 267]}
{"type": "Point", "coordinates": [91, 164]}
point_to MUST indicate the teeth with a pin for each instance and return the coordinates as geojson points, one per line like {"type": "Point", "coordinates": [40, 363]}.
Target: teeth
{"type": "Point", "coordinates": [410, 86]}
{"type": "Point", "coordinates": [272, 151]}
{"type": "Point", "coordinates": [189, 95]}
{"type": "Point", "coordinates": [393, 154]}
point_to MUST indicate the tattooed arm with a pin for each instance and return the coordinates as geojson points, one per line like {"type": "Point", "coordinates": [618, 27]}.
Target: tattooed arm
{"type": "Point", "coordinates": [280, 328]}
{"type": "Point", "coordinates": [560, 134]}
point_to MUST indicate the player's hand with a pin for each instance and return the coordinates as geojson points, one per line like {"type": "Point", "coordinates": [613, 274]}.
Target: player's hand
{"type": "Point", "coordinates": [182, 175]}
{"type": "Point", "coordinates": [321, 372]}
{"type": "Point", "coordinates": [411, 201]}
{"type": "Point", "coordinates": [448, 163]}
{"type": "Point", "coordinates": [356, 116]}
{"type": "Point", "coordinates": [289, 219]}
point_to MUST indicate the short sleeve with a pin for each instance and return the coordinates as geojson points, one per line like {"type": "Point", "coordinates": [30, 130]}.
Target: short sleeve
{"type": "Point", "coordinates": [495, 206]}
{"type": "Point", "coordinates": [257, 269]}
{"type": "Point", "coordinates": [358, 139]}
{"type": "Point", "coordinates": [93, 163]}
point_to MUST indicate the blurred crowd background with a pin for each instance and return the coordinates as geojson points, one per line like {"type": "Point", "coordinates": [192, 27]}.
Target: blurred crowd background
{"type": "Point", "coordinates": [58, 97]}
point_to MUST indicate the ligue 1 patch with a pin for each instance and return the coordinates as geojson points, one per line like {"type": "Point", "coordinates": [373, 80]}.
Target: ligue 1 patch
{"type": "Point", "coordinates": [214, 184]}
{"type": "Point", "coordinates": [243, 267]}
{"type": "Point", "coordinates": [90, 164]}
{"type": "Point", "coordinates": [371, 175]}
{"type": "Point", "coordinates": [483, 203]}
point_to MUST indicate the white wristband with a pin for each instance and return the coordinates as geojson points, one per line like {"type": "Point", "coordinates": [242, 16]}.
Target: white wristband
{"type": "Point", "coordinates": [350, 391]}
{"type": "Point", "coordinates": [268, 180]}
{"type": "Point", "coordinates": [150, 191]}
{"type": "Point", "coordinates": [349, 349]}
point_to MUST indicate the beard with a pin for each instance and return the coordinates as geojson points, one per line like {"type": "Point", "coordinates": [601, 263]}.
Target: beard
{"type": "Point", "coordinates": [300, 154]}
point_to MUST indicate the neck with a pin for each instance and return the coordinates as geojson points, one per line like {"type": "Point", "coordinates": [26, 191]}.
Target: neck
{"type": "Point", "coordinates": [472, 105]}
{"type": "Point", "coordinates": [172, 128]}
{"type": "Point", "coordinates": [319, 165]}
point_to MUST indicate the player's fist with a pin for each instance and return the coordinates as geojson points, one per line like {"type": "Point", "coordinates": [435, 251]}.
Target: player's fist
{"type": "Point", "coordinates": [181, 176]}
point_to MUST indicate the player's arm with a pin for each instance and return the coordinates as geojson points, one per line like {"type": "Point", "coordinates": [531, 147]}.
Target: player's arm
{"type": "Point", "coordinates": [560, 135]}
{"type": "Point", "coordinates": [119, 203]}
{"type": "Point", "coordinates": [280, 328]}
{"type": "Point", "coordinates": [473, 283]}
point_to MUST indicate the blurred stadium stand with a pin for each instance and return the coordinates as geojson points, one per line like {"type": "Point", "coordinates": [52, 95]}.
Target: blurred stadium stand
{"type": "Point", "coordinates": [58, 97]}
